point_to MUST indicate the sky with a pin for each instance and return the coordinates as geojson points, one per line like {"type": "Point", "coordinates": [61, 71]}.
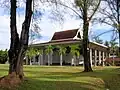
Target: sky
{"type": "Point", "coordinates": [48, 28]}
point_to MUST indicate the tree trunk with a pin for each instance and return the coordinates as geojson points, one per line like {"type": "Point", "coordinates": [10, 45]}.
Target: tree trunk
{"type": "Point", "coordinates": [119, 41]}
{"type": "Point", "coordinates": [87, 66]}
{"type": "Point", "coordinates": [18, 45]}
{"type": "Point", "coordinates": [118, 20]}
{"type": "Point", "coordinates": [14, 46]}
{"type": "Point", "coordinates": [119, 38]}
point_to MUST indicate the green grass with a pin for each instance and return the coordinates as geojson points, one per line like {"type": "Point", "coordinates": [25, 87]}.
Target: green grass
{"type": "Point", "coordinates": [68, 78]}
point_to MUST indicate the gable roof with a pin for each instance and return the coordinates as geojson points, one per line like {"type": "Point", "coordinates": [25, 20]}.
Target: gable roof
{"type": "Point", "coordinates": [68, 34]}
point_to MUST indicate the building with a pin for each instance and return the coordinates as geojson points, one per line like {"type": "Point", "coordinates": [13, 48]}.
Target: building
{"type": "Point", "coordinates": [98, 52]}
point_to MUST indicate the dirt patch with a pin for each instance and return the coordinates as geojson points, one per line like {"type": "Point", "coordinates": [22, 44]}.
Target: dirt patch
{"type": "Point", "coordinates": [10, 81]}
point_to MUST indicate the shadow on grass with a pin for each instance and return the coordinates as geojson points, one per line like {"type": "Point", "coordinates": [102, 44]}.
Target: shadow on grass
{"type": "Point", "coordinates": [64, 80]}
{"type": "Point", "coordinates": [3, 70]}
{"type": "Point", "coordinates": [109, 76]}
{"type": "Point", "coordinates": [34, 84]}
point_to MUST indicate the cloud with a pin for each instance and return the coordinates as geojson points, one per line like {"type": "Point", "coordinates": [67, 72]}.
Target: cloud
{"type": "Point", "coordinates": [5, 30]}
{"type": "Point", "coordinates": [47, 27]}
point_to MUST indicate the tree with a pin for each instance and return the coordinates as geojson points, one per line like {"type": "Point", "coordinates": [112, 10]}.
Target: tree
{"type": "Point", "coordinates": [62, 51]}
{"type": "Point", "coordinates": [18, 46]}
{"type": "Point", "coordinates": [3, 56]}
{"type": "Point", "coordinates": [75, 50]}
{"type": "Point", "coordinates": [106, 43]}
{"type": "Point", "coordinates": [98, 40]}
{"type": "Point", "coordinates": [111, 16]}
{"type": "Point", "coordinates": [88, 9]}
{"type": "Point", "coordinates": [85, 10]}
{"type": "Point", "coordinates": [113, 46]}
{"type": "Point", "coordinates": [49, 50]}
{"type": "Point", "coordinates": [31, 52]}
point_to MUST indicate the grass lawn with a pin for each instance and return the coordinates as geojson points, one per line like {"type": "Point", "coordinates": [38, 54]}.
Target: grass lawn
{"type": "Point", "coordinates": [68, 78]}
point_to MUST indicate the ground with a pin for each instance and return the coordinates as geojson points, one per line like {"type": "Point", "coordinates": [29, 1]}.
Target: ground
{"type": "Point", "coordinates": [67, 78]}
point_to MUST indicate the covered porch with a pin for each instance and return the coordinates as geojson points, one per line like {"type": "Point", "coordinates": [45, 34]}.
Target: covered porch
{"type": "Point", "coordinates": [98, 53]}
{"type": "Point", "coordinates": [65, 48]}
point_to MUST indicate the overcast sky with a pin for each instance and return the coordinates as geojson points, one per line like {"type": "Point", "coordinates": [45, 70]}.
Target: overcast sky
{"type": "Point", "coordinates": [47, 28]}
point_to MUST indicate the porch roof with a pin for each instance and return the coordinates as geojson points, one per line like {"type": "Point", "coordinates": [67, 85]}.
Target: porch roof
{"type": "Point", "coordinates": [92, 45]}
{"type": "Point", "coordinates": [58, 42]}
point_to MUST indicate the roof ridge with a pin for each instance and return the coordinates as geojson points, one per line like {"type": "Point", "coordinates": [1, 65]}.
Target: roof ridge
{"type": "Point", "coordinates": [67, 30]}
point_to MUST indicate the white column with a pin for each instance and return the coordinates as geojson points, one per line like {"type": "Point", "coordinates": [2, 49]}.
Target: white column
{"type": "Point", "coordinates": [109, 55]}
{"type": "Point", "coordinates": [91, 56]}
{"type": "Point", "coordinates": [103, 57]}
{"type": "Point", "coordinates": [99, 57]}
{"type": "Point", "coordinates": [51, 58]}
{"type": "Point", "coordinates": [26, 60]}
{"type": "Point", "coordinates": [39, 60]}
{"type": "Point", "coordinates": [30, 62]}
{"type": "Point", "coordinates": [48, 59]}
{"type": "Point", "coordinates": [33, 59]}
{"type": "Point", "coordinates": [61, 58]}
{"type": "Point", "coordinates": [95, 58]}
{"type": "Point", "coordinates": [74, 60]}
{"type": "Point", "coordinates": [43, 57]}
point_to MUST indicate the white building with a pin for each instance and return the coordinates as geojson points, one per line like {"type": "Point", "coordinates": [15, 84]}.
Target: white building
{"type": "Point", "coordinates": [97, 52]}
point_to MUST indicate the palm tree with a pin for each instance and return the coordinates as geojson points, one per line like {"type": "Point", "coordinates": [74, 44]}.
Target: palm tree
{"type": "Point", "coordinates": [39, 53]}
{"type": "Point", "coordinates": [31, 52]}
{"type": "Point", "coordinates": [106, 43]}
{"type": "Point", "coordinates": [75, 50]}
{"type": "Point", "coordinates": [49, 50]}
{"type": "Point", "coordinates": [62, 50]}
{"type": "Point", "coordinates": [113, 45]}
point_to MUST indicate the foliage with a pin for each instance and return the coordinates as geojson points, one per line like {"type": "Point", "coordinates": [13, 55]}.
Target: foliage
{"type": "Point", "coordinates": [49, 49]}
{"type": "Point", "coordinates": [34, 33]}
{"type": "Point", "coordinates": [75, 50]}
{"type": "Point", "coordinates": [33, 51]}
{"type": "Point", "coordinates": [3, 56]}
{"type": "Point", "coordinates": [106, 43]}
{"type": "Point", "coordinates": [98, 40]}
{"type": "Point", "coordinates": [62, 49]}
{"type": "Point", "coordinates": [113, 47]}
{"type": "Point", "coordinates": [111, 16]}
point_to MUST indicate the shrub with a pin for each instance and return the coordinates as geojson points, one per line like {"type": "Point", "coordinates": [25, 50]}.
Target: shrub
{"type": "Point", "coordinates": [3, 56]}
